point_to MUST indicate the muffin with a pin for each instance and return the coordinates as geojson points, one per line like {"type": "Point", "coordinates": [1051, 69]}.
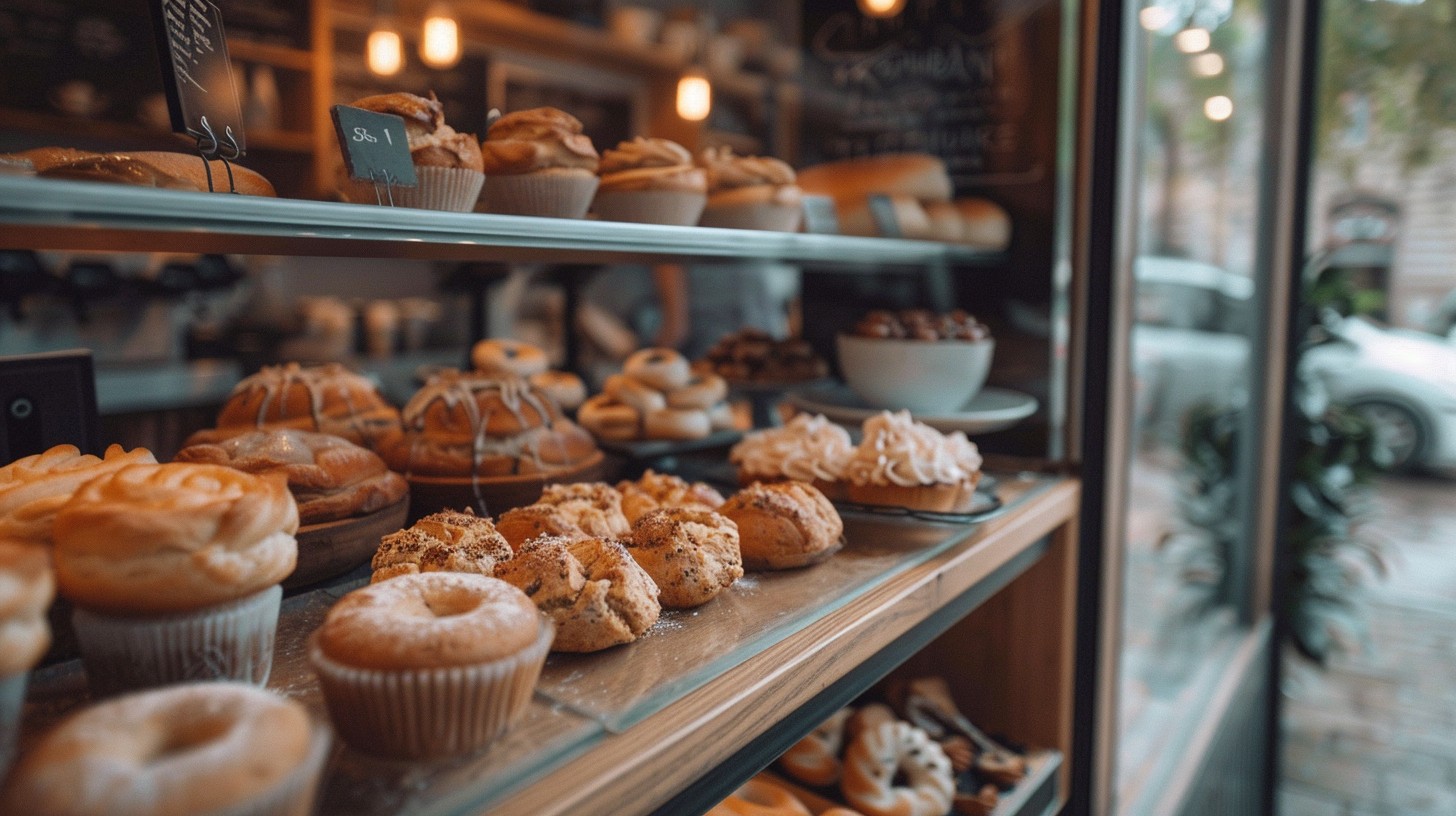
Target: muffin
{"type": "Point", "coordinates": [174, 572]}
{"type": "Point", "coordinates": [691, 554]}
{"type": "Point", "coordinates": [651, 181]}
{"type": "Point", "coordinates": [750, 192]}
{"type": "Point", "coordinates": [447, 541]}
{"type": "Point", "coordinates": [594, 507]}
{"type": "Point", "coordinates": [808, 449]}
{"type": "Point", "coordinates": [326, 399]}
{"type": "Point", "coordinates": [522, 525]}
{"type": "Point", "coordinates": [330, 477]}
{"type": "Point", "coordinates": [33, 488]}
{"type": "Point", "coordinates": [27, 587]}
{"type": "Point", "coordinates": [784, 525]}
{"type": "Point", "coordinates": [487, 443]}
{"type": "Point", "coordinates": [198, 748]}
{"type": "Point", "coordinates": [448, 164]}
{"type": "Point", "coordinates": [538, 162]}
{"type": "Point", "coordinates": [429, 665]}
{"type": "Point", "coordinates": [596, 593]}
{"type": "Point", "coordinates": [904, 463]}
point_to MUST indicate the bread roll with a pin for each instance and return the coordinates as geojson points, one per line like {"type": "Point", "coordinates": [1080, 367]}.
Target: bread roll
{"type": "Point", "coordinates": [915, 175]}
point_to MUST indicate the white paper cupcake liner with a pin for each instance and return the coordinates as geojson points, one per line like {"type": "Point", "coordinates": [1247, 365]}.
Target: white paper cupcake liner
{"type": "Point", "coordinates": [12, 704]}
{"type": "Point", "coordinates": [552, 195]}
{"type": "Point", "coordinates": [233, 641]}
{"type": "Point", "coordinates": [676, 208]}
{"type": "Point", "coordinates": [294, 796]}
{"type": "Point", "coordinates": [759, 216]}
{"type": "Point", "coordinates": [416, 714]}
{"type": "Point", "coordinates": [451, 189]}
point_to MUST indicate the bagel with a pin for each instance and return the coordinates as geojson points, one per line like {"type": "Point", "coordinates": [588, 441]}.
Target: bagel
{"type": "Point", "coordinates": [814, 760]}
{"type": "Point", "coordinates": [660, 368]}
{"type": "Point", "coordinates": [628, 390]}
{"type": "Point", "coordinates": [676, 424]}
{"type": "Point", "coordinates": [565, 388]}
{"type": "Point", "coordinates": [702, 391]}
{"type": "Point", "coordinates": [884, 748]}
{"type": "Point", "coordinates": [609, 419]}
{"type": "Point", "coordinates": [508, 357]}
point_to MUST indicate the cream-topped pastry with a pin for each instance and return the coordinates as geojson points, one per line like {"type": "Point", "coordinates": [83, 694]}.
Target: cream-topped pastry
{"type": "Point", "coordinates": [907, 463]}
{"type": "Point", "coordinates": [651, 164]}
{"type": "Point", "coordinates": [537, 139]}
{"type": "Point", "coordinates": [750, 192]}
{"type": "Point", "coordinates": [727, 171]}
{"type": "Point", "coordinates": [807, 449]}
{"type": "Point", "coordinates": [431, 141]}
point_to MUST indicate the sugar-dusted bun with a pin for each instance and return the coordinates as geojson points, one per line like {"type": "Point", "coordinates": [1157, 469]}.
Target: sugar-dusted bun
{"type": "Point", "coordinates": [629, 390]}
{"type": "Point", "coordinates": [150, 539]}
{"type": "Point", "coordinates": [27, 587]}
{"type": "Point", "coordinates": [916, 175]}
{"type": "Point", "coordinates": [597, 595]}
{"type": "Point", "coordinates": [330, 477]}
{"type": "Point", "coordinates": [609, 419]}
{"type": "Point", "coordinates": [522, 525]}
{"type": "Point", "coordinates": [660, 368]}
{"type": "Point", "coordinates": [783, 525]}
{"type": "Point", "coordinates": [327, 399]}
{"type": "Point", "coordinates": [563, 387]}
{"type": "Point", "coordinates": [656, 490]}
{"type": "Point", "coordinates": [463, 424]}
{"type": "Point", "coordinates": [593, 506]}
{"type": "Point", "coordinates": [429, 620]}
{"type": "Point", "coordinates": [34, 487]}
{"type": "Point", "coordinates": [692, 554]}
{"type": "Point", "coordinates": [209, 747]}
{"type": "Point", "coordinates": [676, 424]}
{"type": "Point", "coordinates": [447, 541]}
{"type": "Point", "coordinates": [984, 223]}
{"type": "Point", "coordinates": [508, 358]}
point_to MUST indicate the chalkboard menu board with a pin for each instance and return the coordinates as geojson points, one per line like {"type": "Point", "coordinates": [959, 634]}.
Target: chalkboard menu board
{"type": "Point", "coordinates": [197, 76]}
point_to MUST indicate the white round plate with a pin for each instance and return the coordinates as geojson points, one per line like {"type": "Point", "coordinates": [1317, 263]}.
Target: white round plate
{"type": "Point", "coordinates": [993, 409]}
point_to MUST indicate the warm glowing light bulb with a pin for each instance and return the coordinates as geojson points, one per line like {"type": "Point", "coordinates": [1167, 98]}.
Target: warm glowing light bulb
{"type": "Point", "coordinates": [1218, 108]}
{"type": "Point", "coordinates": [1192, 40]}
{"type": "Point", "coordinates": [881, 8]}
{"type": "Point", "coordinates": [694, 96]}
{"type": "Point", "coordinates": [1207, 65]}
{"type": "Point", "coordinates": [440, 40]}
{"type": "Point", "coordinates": [1155, 18]}
{"type": "Point", "coordinates": [385, 51]}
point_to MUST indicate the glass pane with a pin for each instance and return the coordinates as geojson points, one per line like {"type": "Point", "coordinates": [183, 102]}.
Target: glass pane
{"type": "Point", "coordinates": [1186, 556]}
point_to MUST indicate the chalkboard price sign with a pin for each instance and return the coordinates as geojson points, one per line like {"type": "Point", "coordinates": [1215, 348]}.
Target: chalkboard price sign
{"type": "Point", "coordinates": [375, 146]}
{"type": "Point", "coordinates": [198, 76]}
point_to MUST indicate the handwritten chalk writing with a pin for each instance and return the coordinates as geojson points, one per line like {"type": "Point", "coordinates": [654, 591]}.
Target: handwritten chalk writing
{"type": "Point", "coordinates": [197, 74]}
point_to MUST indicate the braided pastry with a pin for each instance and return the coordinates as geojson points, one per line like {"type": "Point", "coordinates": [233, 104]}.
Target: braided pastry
{"type": "Point", "coordinates": [884, 746]}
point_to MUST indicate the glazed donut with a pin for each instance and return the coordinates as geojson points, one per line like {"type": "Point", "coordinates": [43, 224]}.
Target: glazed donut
{"type": "Point", "coordinates": [608, 419]}
{"type": "Point", "coordinates": [198, 748]}
{"type": "Point", "coordinates": [429, 619]}
{"type": "Point", "coordinates": [661, 368]}
{"type": "Point", "coordinates": [759, 797]}
{"type": "Point", "coordinates": [564, 388]}
{"type": "Point", "coordinates": [671, 423]}
{"type": "Point", "coordinates": [814, 760]}
{"type": "Point", "coordinates": [702, 391]}
{"type": "Point", "coordinates": [502, 357]}
{"type": "Point", "coordinates": [883, 747]}
{"type": "Point", "coordinates": [629, 391]}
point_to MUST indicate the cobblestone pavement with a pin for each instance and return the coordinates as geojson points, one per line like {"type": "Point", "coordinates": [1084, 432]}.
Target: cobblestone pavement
{"type": "Point", "coordinates": [1376, 734]}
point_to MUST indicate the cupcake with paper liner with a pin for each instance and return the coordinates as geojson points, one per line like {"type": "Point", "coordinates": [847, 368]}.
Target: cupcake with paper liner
{"type": "Point", "coordinates": [651, 181]}
{"type": "Point", "coordinates": [750, 192]}
{"type": "Point", "coordinates": [174, 571]}
{"type": "Point", "coordinates": [538, 162]}
{"type": "Point", "coordinates": [27, 587]}
{"type": "Point", "coordinates": [904, 463]}
{"type": "Point", "coordinates": [808, 449]}
{"type": "Point", "coordinates": [447, 163]}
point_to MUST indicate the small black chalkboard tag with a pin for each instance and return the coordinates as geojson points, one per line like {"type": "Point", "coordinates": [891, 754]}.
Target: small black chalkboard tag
{"type": "Point", "coordinates": [375, 146]}
{"type": "Point", "coordinates": [198, 76]}
{"type": "Point", "coordinates": [819, 215]}
{"type": "Point", "coordinates": [882, 210]}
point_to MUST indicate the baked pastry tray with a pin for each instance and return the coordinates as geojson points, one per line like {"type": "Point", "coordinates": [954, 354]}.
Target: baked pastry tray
{"type": "Point", "coordinates": [582, 698]}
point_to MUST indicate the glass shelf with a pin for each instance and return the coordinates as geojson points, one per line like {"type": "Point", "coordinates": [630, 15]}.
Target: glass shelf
{"type": "Point", "coordinates": [71, 215]}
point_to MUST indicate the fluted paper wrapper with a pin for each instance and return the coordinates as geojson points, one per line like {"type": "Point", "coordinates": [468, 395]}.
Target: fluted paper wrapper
{"type": "Point", "coordinates": [233, 641]}
{"type": "Point", "coordinates": [294, 795]}
{"type": "Point", "coordinates": [421, 713]}
{"type": "Point", "coordinates": [760, 216]}
{"type": "Point", "coordinates": [553, 195]}
{"type": "Point", "coordinates": [675, 208]}
{"type": "Point", "coordinates": [451, 189]}
{"type": "Point", "coordinates": [12, 704]}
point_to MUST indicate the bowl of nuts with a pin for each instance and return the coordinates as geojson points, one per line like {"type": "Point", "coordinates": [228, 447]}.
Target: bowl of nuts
{"type": "Point", "coordinates": [917, 360]}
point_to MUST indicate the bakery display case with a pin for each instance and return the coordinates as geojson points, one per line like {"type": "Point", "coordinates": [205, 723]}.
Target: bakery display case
{"type": "Point", "coordinates": [984, 596]}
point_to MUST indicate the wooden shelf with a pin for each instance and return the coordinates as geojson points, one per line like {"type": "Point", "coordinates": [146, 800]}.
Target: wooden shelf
{"type": "Point", "coordinates": [278, 56]}
{"type": "Point", "coordinates": [124, 136]}
{"type": "Point", "coordinates": [745, 670]}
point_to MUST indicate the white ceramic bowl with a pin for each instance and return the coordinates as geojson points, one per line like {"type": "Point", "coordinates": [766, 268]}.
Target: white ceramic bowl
{"type": "Point", "coordinates": [929, 377]}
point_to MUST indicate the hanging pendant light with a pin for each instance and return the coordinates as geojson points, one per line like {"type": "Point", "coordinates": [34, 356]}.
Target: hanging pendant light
{"type": "Point", "coordinates": [881, 8]}
{"type": "Point", "coordinates": [694, 95]}
{"type": "Point", "coordinates": [384, 51]}
{"type": "Point", "coordinates": [440, 37]}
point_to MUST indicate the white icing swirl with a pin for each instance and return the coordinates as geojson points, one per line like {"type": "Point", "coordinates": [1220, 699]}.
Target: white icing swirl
{"type": "Point", "coordinates": [806, 449]}
{"type": "Point", "coordinates": [897, 450]}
